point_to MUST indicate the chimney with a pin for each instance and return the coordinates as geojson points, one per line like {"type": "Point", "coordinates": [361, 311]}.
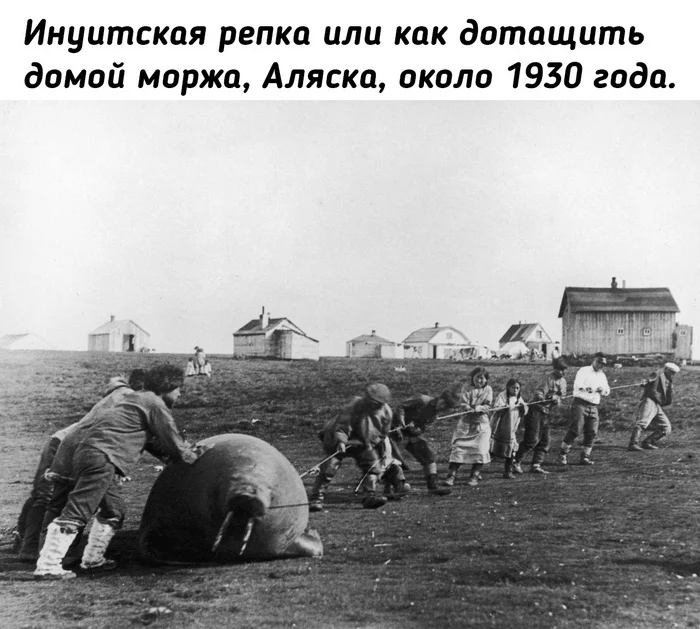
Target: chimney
{"type": "Point", "coordinates": [374, 332]}
{"type": "Point", "coordinates": [111, 318]}
{"type": "Point", "coordinates": [613, 284]}
{"type": "Point", "coordinates": [624, 283]}
{"type": "Point", "coordinates": [264, 318]}
{"type": "Point", "coordinates": [437, 325]}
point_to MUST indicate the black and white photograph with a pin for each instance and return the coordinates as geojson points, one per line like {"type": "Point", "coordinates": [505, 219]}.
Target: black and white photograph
{"type": "Point", "coordinates": [349, 364]}
{"type": "Point", "coordinates": [330, 316]}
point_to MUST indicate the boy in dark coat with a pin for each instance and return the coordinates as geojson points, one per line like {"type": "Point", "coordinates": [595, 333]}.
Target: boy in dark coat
{"type": "Point", "coordinates": [360, 432]}
{"type": "Point", "coordinates": [537, 421]}
{"type": "Point", "coordinates": [413, 416]}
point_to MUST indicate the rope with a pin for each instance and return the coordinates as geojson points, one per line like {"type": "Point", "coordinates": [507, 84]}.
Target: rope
{"type": "Point", "coordinates": [316, 468]}
{"type": "Point", "coordinates": [289, 506]}
{"type": "Point", "coordinates": [362, 480]}
{"type": "Point", "coordinates": [503, 408]}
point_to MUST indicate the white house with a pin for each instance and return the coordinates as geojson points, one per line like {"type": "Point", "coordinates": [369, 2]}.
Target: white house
{"type": "Point", "coordinates": [119, 336]}
{"type": "Point", "coordinates": [438, 342]}
{"type": "Point", "coordinates": [265, 337]}
{"type": "Point", "coordinates": [521, 338]}
{"type": "Point", "coordinates": [373, 346]}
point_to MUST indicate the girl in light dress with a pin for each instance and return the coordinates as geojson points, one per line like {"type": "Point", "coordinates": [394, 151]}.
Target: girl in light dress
{"type": "Point", "coordinates": [472, 436]}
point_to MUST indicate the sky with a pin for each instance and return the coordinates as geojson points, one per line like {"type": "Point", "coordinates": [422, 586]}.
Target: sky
{"type": "Point", "coordinates": [345, 217]}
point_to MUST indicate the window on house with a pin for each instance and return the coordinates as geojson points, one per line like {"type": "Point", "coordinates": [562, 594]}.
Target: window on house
{"type": "Point", "coordinates": [683, 332]}
{"type": "Point", "coordinates": [620, 330]}
{"type": "Point", "coordinates": [646, 331]}
{"type": "Point", "coordinates": [539, 334]}
{"type": "Point", "coordinates": [449, 335]}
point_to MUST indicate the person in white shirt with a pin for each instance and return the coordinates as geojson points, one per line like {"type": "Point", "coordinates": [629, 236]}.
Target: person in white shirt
{"type": "Point", "coordinates": [589, 385]}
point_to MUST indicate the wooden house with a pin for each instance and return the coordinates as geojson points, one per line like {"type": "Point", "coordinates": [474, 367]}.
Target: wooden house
{"type": "Point", "coordinates": [625, 321]}
{"type": "Point", "coordinates": [119, 336]}
{"type": "Point", "coordinates": [373, 346]}
{"type": "Point", "coordinates": [23, 341]}
{"type": "Point", "coordinates": [532, 335]}
{"type": "Point", "coordinates": [265, 337]}
{"type": "Point", "coordinates": [438, 342]}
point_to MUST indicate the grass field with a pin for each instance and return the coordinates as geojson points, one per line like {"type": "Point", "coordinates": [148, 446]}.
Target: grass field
{"type": "Point", "coordinates": [614, 545]}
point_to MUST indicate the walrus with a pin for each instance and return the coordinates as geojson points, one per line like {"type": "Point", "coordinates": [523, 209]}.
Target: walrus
{"type": "Point", "coordinates": [242, 500]}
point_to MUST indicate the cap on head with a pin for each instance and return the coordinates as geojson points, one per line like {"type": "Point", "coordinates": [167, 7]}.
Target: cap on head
{"type": "Point", "coordinates": [378, 393]}
{"type": "Point", "coordinates": [559, 364]}
{"type": "Point", "coordinates": [600, 357]}
{"type": "Point", "coordinates": [672, 367]}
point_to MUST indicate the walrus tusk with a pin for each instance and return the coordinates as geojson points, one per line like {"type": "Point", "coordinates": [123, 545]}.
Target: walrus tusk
{"type": "Point", "coordinates": [222, 531]}
{"type": "Point", "coordinates": [246, 535]}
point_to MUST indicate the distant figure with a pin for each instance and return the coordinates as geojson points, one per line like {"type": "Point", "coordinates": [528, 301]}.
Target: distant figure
{"type": "Point", "coordinates": [199, 358]}
{"type": "Point", "coordinates": [556, 351]}
{"type": "Point", "coordinates": [190, 370]}
{"type": "Point", "coordinates": [657, 392]}
{"type": "Point", "coordinates": [206, 369]}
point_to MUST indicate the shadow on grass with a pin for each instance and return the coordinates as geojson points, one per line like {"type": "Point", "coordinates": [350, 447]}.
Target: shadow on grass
{"type": "Point", "coordinates": [124, 550]}
{"type": "Point", "coordinates": [682, 568]}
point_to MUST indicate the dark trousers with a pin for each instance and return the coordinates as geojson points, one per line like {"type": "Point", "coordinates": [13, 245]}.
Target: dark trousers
{"type": "Point", "coordinates": [584, 418]}
{"type": "Point", "coordinates": [367, 460]}
{"type": "Point", "coordinates": [536, 437]}
{"type": "Point", "coordinates": [32, 514]}
{"type": "Point", "coordinates": [422, 450]}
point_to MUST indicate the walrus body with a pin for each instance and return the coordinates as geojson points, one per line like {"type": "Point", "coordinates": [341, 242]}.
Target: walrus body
{"type": "Point", "coordinates": [241, 477]}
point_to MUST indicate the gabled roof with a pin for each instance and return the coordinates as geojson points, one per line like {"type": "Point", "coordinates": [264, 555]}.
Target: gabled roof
{"type": "Point", "coordinates": [618, 300]}
{"type": "Point", "coordinates": [518, 332]}
{"type": "Point", "coordinates": [371, 338]}
{"type": "Point", "coordinates": [424, 335]}
{"type": "Point", "coordinates": [254, 327]}
{"type": "Point", "coordinates": [115, 325]}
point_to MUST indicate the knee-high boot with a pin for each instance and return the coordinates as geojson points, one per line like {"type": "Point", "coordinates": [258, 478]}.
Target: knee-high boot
{"type": "Point", "coordinates": [318, 492]}
{"type": "Point", "coordinates": [101, 534]}
{"type": "Point", "coordinates": [58, 540]}
{"type": "Point", "coordinates": [32, 530]}
{"type": "Point", "coordinates": [634, 440]}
